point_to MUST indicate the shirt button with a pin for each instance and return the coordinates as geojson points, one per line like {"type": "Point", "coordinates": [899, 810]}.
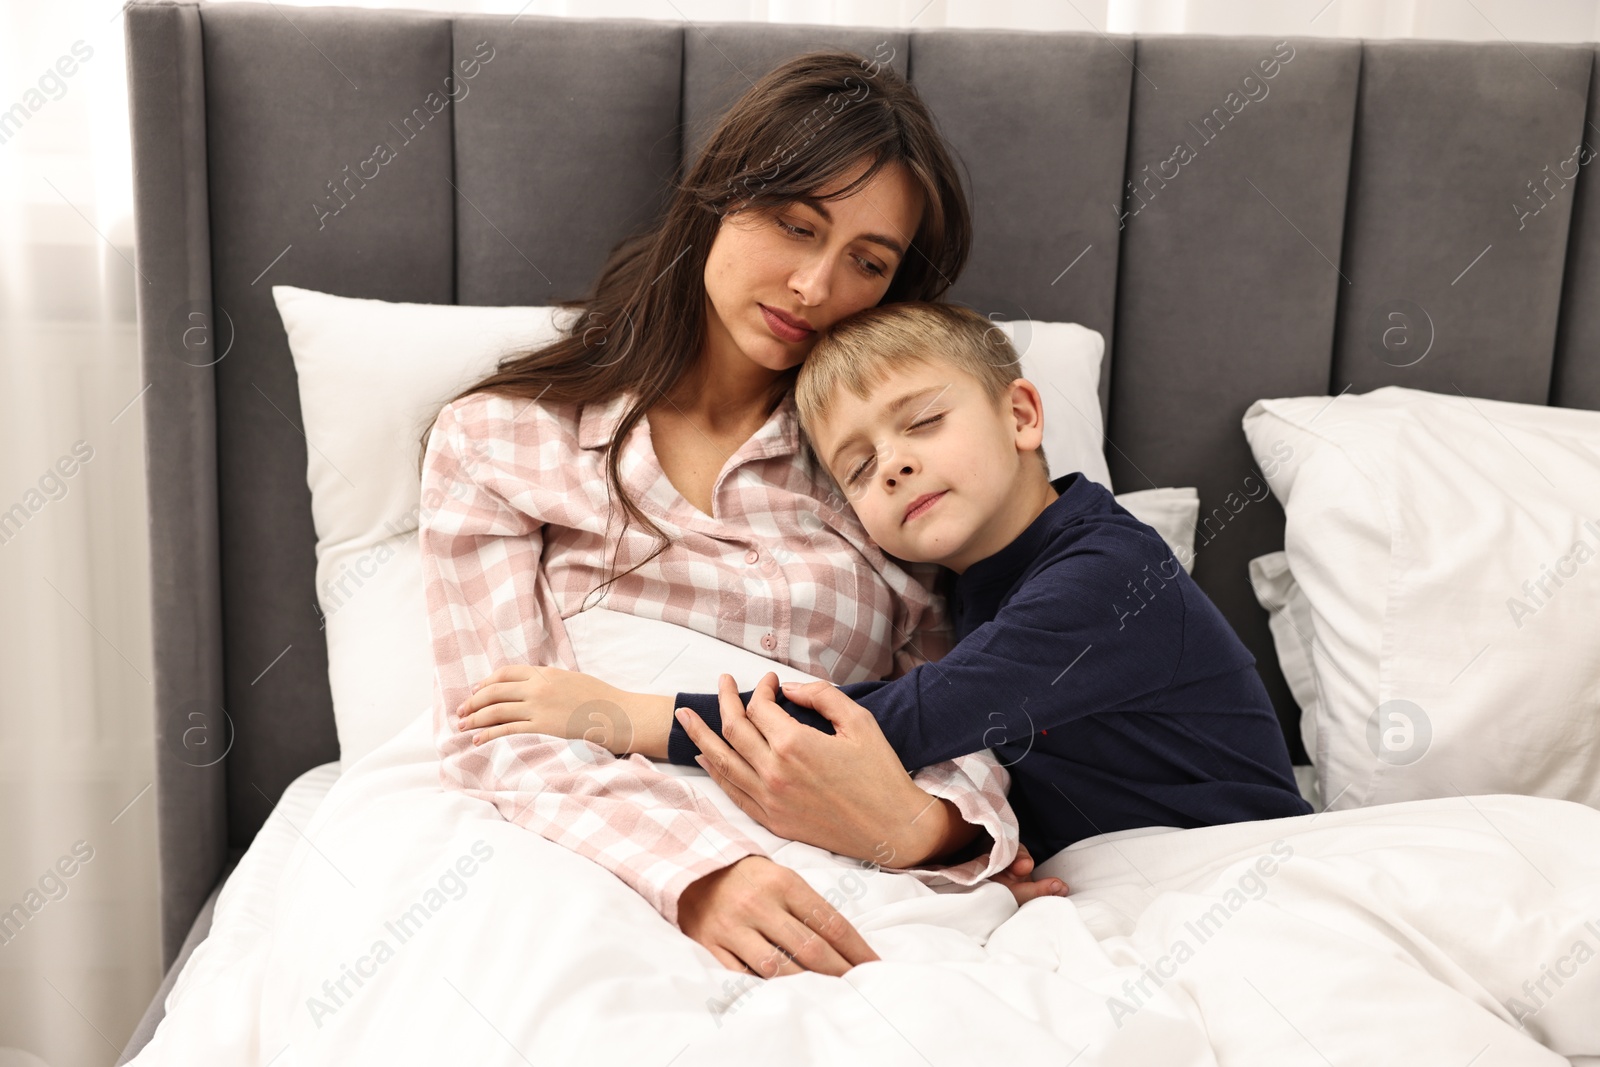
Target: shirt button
{"type": "Point", "coordinates": [769, 642]}
{"type": "Point", "coordinates": [751, 556]}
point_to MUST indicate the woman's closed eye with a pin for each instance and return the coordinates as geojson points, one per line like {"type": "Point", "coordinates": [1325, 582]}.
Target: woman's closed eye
{"type": "Point", "coordinates": [868, 461]}
{"type": "Point", "coordinates": [867, 266]}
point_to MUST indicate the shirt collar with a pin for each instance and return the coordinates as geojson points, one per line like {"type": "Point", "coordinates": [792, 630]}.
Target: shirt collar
{"type": "Point", "coordinates": [1012, 560]}
{"type": "Point", "coordinates": [599, 419]}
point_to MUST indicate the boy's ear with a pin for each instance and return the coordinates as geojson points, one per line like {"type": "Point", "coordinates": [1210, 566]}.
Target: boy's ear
{"type": "Point", "coordinates": [1027, 409]}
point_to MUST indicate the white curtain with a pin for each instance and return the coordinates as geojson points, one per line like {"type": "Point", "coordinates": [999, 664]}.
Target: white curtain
{"type": "Point", "coordinates": [78, 927]}
{"type": "Point", "coordinates": [80, 960]}
{"type": "Point", "coordinates": [1462, 20]}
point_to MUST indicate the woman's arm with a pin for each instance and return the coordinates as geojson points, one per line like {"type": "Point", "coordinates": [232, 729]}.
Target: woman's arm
{"type": "Point", "coordinates": [561, 703]}
{"type": "Point", "coordinates": [849, 793]}
{"type": "Point", "coordinates": [969, 792]}
{"type": "Point", "coordinates": [934, 815]}
{"type": "Point", "coordinates": [489, 607]}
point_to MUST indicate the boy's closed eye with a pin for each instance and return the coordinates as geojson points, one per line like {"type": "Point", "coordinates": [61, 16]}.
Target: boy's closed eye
{"type": "Point", "coordinates": [861, 468]}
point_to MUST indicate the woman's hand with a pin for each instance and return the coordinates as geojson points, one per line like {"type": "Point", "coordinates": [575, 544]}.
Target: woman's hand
{"type": "Point", "coordinates": [759, 915]}
{"type": "Point", "coordinates": [561, 703]}
{"type": "Point", "coordinates": [847, 793]}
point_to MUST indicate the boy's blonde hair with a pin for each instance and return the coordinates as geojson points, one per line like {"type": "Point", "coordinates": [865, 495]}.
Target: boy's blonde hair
{"type": "Point", "coordinates": [860, 350]}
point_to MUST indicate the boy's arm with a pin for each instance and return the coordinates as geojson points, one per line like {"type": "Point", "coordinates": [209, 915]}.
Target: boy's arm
{"type": "Point", "coordinates": [1089, 632]}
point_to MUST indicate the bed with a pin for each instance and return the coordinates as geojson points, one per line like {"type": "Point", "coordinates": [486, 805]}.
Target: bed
{"type": "Point", "coordinates": [1270, 264]}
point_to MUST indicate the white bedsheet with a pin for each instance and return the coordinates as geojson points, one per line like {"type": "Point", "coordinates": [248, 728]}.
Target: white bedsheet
{"type": "Point", "coordinates": [246, 904]}
{"type": "Point", "coordinates": [1451, 932]}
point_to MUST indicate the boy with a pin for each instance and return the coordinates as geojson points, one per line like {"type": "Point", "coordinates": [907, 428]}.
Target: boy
{"type": "Point", "coordinates": [1087, 659]}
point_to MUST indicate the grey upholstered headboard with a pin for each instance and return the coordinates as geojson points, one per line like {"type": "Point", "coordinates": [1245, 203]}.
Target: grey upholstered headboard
{"type": "Point", "coordinates": [1438, 180]}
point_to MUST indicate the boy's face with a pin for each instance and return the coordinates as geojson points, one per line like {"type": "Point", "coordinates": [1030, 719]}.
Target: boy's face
{"type": "Point", "coordinates": [945, 438]}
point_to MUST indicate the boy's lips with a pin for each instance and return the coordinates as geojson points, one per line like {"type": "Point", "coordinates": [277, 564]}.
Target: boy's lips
{"type": "Point", "coordinates": [921, 504]}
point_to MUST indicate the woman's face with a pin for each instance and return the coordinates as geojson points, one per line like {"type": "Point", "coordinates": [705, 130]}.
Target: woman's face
{"type": "Point", "coordinates": [808, 263]}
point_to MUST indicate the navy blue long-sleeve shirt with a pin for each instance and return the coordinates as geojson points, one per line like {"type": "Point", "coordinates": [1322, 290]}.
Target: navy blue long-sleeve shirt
{"type": "Point", "coordinates": [1098, 672]}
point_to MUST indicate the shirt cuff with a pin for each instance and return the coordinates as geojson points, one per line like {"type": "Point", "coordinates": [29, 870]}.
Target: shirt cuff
{"type": "Point", "coordinates": [692, 871]}
{"type": "Point", "coordinates": [680, 746]}
{"type": "Point", "coordinates": [984, 807]}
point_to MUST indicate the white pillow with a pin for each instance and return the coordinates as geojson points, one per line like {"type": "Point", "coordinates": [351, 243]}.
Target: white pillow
{"type": "Point", "coordinates": [1062, 360]}
{"type": "Point", "coordinates": [1172, 512]}
{"type": "Point", "coordinates": [374, 374]}
{"type": "Point", "coordinates": [1289, 618]}
{"type": "Point", "coordinates": [1417, 527]}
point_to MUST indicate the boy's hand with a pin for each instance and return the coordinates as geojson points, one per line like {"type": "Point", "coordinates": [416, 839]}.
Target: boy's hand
{"type": "Point", "coordinates": [1019, 879]}
{"type": "Point", "coordinates": [562, 703]}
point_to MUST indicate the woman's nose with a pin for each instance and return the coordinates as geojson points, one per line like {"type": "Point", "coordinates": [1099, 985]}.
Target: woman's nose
{"type": "Point", "coordinates": [810, 281]}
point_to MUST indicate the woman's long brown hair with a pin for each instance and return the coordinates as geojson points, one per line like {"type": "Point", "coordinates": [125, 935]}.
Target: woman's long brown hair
{"type": "Point", "coordinates": [801, 128]}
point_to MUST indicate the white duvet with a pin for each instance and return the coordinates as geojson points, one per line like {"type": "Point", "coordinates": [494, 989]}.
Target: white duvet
{"type": "Point", "coordinates": [415, 925]}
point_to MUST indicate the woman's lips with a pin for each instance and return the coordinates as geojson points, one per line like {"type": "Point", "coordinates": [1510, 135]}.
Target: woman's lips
{"type": "Point", "coordinates": [781, 329]}
{"type": "Point", "coordinates": [922, 508]}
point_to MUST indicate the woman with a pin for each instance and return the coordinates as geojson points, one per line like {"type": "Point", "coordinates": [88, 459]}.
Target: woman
{"type": "Point", "coordinates": [825, 189]}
